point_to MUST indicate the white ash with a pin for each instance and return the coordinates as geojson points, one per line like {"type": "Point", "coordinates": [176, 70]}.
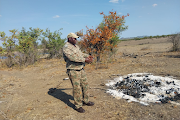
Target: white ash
{"type": "Point", "coordinates": [145, 88]}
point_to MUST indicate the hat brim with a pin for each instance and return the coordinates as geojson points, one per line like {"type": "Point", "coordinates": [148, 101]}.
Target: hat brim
{"type": "Point", "coordinates": [72, 35]}
{"type": "Point", "coordinates": [76, 37]}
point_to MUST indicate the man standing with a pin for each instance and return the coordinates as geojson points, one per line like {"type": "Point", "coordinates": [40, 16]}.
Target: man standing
{"type": "Point", "coordinates": [75, 61]}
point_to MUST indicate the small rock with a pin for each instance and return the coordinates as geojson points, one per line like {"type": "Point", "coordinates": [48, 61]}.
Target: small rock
{"type": "Point", "coordinates": [11, 84]}
{"type": "Point", "coordinates": [102, 84]}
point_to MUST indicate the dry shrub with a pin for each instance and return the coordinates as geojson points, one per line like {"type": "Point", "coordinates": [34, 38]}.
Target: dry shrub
{"type": "Point", "coordinates": [175, 39]}
{"type": "Point", "coordinates": [105, 36]}
{"type": "Point", "coordinates": [8, 61]}
{"type": "Point", "coordinates": [18, 59]}
{"type": "Point", "coordinates": [145, 48]}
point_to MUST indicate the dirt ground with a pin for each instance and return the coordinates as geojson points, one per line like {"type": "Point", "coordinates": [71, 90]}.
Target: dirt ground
{"type": "Point", "coordinates": [27, 94]}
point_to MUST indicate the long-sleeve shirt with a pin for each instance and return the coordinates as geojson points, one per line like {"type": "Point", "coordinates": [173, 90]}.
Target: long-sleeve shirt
{"type": "Point", "coordinates": [73, 56]}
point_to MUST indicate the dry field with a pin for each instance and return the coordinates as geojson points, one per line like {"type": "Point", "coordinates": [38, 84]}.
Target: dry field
{"type": "Point", "coordinates": [26, 94]}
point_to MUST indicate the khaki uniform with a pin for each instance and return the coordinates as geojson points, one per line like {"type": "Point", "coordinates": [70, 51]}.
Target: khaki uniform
{"type": "Point", "coordinates": [75, 61]}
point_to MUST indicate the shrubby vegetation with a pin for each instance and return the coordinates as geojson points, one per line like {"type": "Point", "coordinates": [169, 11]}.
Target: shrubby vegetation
{"type": "Point", "coordinates": [22, 47]}
{"type": "Point", "coordinates": [54, 43]}
{"type": "Point", "coordinates": [175, 39]}
{"type": "Point", "coordinates": [1, 49]}
{"type": "Point", "coordinates": [104, 38]}
{"type": "Point", "coordinates": [149, 37]}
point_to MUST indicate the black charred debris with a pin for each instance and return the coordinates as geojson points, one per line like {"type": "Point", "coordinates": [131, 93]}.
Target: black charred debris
{"type": "Point", "coordinates": [136, 88]}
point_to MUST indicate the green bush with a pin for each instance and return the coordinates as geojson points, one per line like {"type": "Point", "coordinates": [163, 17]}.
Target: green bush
{"type": "Point", "coordinates": [27, 46]}
{"type": "Point", "coordinates": [9, 44]}
{"type": "Point", "coordinates": [53, 44]}
{"type": "Point", "coordinates": [136, 38]}
{"type": "Point", "coordinates": [22, 48]}
{"type": "Point", "coordinates": [1, 49]}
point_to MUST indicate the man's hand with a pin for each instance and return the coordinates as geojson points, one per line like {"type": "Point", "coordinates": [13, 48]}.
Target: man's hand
{"type": "Point", "coordinates": [88, 60]}
{"type": "Point", "coordinates": [91, 57]}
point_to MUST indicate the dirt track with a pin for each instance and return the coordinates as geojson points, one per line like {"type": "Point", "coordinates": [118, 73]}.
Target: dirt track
{"type": "Point", "coordinates": [27, 94]}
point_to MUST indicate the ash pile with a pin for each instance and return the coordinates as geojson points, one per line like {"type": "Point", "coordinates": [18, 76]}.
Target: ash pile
{"type": "Point", "coordinates": [145, 88]}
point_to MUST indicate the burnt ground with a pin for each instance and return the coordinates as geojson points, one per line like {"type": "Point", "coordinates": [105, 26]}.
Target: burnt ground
{"type": "Point", "coordinates": [29, 94]}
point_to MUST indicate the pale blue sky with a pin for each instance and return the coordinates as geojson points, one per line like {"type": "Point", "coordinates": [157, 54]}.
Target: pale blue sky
{"type": "Point", "coordinates": [147, 17]}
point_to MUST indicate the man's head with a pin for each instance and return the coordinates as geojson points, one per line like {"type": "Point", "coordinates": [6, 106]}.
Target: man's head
{"type": "Point", "coordinates": [72, 38]}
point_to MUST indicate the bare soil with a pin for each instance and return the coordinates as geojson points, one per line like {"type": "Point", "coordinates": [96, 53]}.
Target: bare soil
{"type": "Point", "coordinates": [27, 94]}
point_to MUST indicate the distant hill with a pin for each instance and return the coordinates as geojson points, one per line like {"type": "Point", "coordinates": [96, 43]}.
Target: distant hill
{"type": "Point", "coordinates": [123, 38]}
{"type": "Point", "coordinates": [134, 37]}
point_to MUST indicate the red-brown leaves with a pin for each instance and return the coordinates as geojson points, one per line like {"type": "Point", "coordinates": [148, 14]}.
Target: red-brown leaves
{"type": "Point", "coordinates": [96, 40]}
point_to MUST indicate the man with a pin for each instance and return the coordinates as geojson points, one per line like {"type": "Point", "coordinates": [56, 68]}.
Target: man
{"type": "Point", "coordinates": [75, 61]}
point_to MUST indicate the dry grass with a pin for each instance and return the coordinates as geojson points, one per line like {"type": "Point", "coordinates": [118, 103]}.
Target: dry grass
{"type": "Point", "coordinates": [26, 95]}
{"type": "Point", "coordinates": [146, 48]}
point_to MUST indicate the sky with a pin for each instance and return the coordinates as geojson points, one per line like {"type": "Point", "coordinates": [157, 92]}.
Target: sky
{"type": "Point", "coordinates": [146, 17]}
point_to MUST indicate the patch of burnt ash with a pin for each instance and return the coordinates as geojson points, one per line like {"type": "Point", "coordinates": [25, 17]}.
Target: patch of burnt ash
{"type": "Point", "coordinates": [167, 99]}
{"type": "Point", "coordinates": [139, 85]}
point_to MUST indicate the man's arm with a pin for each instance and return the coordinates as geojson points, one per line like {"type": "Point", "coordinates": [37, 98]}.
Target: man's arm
{"type": "Point", "coordinates": [72, 56]}
{"type": "Point", "coordinates": [84, 54]}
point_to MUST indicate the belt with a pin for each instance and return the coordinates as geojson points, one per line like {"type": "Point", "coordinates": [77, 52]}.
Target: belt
{"type": "Point", "coordinates": [75, 69]}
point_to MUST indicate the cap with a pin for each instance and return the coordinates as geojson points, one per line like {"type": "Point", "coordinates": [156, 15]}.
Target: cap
{"type": "Point", "coordinates": [72, 35]}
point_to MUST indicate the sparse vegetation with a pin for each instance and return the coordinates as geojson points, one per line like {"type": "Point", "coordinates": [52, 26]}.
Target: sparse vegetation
{"type": "Point", "coordinates": [9, 44]}
{"type": "Point", "coordinates": [1, 49]}
{"type": "Point", "coordinates": [28, 91]}
{"type": "Point", "coordinates": [22, 49]}
{"type": "Point", "coordinates": [105, 37]}
{"type": "Point", "coordinates": [175, 39]}
{"type": "Point", "coordinates": [148, 37]}
{"type": "Point", "coordinates": [54, 43]}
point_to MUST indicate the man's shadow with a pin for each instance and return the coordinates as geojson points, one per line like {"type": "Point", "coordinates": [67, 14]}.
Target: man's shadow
{"type": "Point", "coordinates": [59, 94]}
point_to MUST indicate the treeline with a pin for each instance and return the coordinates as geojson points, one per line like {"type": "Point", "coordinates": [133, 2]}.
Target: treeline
{"type": "Point", "coordinates": [22, 47]}
{"type": "Point", "coordinates": [173, 38]}
{"type": "Point", "coordinates": [149, 37]}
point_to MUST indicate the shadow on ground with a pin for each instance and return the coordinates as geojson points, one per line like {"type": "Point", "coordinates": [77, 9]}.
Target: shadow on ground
{"type": "Point", "coordinates": [64, 97]}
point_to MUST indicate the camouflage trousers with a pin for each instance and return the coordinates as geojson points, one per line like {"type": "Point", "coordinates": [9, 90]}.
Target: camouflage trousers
{"type": "Point", "coordinates": [80, 86]}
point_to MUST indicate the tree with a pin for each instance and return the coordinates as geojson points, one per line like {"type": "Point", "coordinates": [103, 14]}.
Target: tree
{"type": "Point", "coordinates": [112, 19]}
{"type": "Point", "coordinates": [9, 44]}
{"type": "Point", "coordinates": [28, 39]}
{"type": "Point", "coordinates": [54, 42]}
{"type": "Point", "coordinates": [1, 49]}
{"type": "Point", "coordinates": [22, 47]}
{"type": "Point", "coordinates": [27, 46]}
{"type": "Point", "coordinates": [104, 37]}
